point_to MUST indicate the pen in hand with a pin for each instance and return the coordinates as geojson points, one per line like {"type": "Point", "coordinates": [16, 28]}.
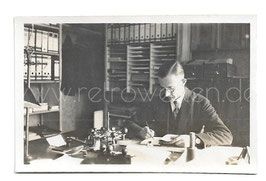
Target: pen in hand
{"type": "Point", "coordinates": [147, 124]}
{"type": "Point", "coordinates": [149, 130]}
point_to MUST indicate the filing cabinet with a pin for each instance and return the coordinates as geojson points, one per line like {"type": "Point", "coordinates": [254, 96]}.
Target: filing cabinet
{"type": "Point", "coordinates": [221, 70]}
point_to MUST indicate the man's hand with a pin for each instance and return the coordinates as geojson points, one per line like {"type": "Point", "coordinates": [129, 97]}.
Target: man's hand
{"type": "Point", "coordinates": [146, 133]}
{"type": "Point", "coordinates": [181, 141]}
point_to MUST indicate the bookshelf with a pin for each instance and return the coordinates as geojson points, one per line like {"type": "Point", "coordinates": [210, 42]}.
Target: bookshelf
{"type": "Point", "coordinates": [133, 55]}
{"type": "Point", "coordinates": [43, 41]}
{"type": "Point", "coordinates": [134, 52]}
{"type": "Point", "coordinates": [116, 67]}
{"type": "Point", "coordinates": [138, 68]}
{"type": "Point", "coordinates": [48, 27]}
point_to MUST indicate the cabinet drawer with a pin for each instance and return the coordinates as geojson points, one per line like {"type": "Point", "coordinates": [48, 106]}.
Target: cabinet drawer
{"type": "Point", "coordinates": [219, 70]}
{"type": "Point", "coordinates": [193, 71]}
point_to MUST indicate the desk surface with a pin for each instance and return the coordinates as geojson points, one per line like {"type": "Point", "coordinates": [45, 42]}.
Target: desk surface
{"type": "Point", "coordinates": [150, 159]}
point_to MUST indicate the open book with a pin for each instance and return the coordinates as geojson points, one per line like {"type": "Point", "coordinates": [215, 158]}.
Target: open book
{"type": "Point", "coordinates": [165, 140]}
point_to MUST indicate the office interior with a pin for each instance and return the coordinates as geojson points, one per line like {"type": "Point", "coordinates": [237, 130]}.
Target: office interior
{"type": "Point", "coordinates": [90, 74]}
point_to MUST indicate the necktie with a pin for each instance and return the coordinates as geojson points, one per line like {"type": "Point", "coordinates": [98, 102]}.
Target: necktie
{"type": "Point", "coordinates": [176, 108]}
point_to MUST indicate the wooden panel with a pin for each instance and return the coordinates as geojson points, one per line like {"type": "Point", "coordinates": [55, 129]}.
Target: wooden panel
{"type": "Point", "coordinates": [234, 36]}
{"type": "Point", "coordinates": [203, 36]}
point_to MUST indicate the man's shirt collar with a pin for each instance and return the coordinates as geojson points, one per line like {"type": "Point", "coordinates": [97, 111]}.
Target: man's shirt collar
{"type": "Point", "coordinates": [179, 101]}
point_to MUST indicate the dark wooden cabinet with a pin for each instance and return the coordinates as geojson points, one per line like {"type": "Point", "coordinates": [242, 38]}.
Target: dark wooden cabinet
{"type": "Point", "coordinates": [234, 36]}
{"type": "Point", "coordinates": [203, 36]}
{"type": "Point", "coordinates": [193, 71]}
{"type": "Point", "coordinates": [219, 70]}
{"type": "Point", "coordinates": [212, 36]}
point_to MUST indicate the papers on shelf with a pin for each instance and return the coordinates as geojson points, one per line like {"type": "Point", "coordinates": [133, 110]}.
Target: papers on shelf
{"type": "Point", "coordinates": [139, 68]}
{"type": "Point", "coordinates": [33, 135]}
{"type": "Point", "coordinates": [139, 60]}
{"type": "Point", "coordinates": [42, 107]}
{"type": "Point", "coordinates": [138, 47]}
{"type": "Point", "coordinates": [53, 108]}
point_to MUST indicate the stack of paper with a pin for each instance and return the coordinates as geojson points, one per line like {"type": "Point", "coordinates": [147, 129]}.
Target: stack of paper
{"type": "Point", "coordinates": [43, 107]}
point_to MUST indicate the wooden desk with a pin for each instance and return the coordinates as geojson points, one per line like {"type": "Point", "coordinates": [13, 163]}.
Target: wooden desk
{"type": "Point", "coordinates": [151, 159]}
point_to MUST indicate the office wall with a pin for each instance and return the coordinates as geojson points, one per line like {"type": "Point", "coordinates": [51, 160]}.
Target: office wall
{"type": "Point", "coordinates": [82, 71]}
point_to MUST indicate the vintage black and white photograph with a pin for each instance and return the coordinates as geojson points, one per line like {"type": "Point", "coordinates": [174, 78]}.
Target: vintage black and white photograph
{"type": "Point", "coordinates": [146, 94]}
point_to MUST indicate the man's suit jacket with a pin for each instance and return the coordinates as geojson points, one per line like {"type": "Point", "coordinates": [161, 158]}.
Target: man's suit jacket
{"type": "Point", "coordinates": [196, 111]}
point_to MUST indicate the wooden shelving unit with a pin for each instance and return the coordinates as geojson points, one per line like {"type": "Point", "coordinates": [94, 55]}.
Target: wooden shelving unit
{"type": "Point", "coordinates": [137, 54]}
{"type": "Point", "coordinates": [136, 50]}
{"type": "Point", "coordinates": [45, 87]}
{"type": "Point", "coordinates": [46, 53]}
{"type": "Point", "coordinates": [43, 112]}
{"type": "Point", "coordinates": [138, 68]}
{"type": "Point", "coordinates": [48, 27]}
{"type": "Point", "coordinates": [45, 82]}
{"type": "Point", "coordinates": [116, 63]}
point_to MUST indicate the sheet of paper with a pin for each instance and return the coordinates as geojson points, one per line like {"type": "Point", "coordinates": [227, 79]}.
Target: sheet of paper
{"type": "Point", "coordinates": [56, 141]}
{"type": "Point", "coordinates": [156, 140]}
{"type": "Point", "coordinates": [168, 137]}
{"type": "Point", "coordinates": [153, 141]}
{"type": "Point", "coordinates": [147, 155]}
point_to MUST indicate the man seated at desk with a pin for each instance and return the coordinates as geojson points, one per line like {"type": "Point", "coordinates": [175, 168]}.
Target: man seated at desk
{"type": "Point", "coordinates": [184, 112]}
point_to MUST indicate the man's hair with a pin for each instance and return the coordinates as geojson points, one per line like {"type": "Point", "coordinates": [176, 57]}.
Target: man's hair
{"type": "Point", "coordinates": [173, 67]}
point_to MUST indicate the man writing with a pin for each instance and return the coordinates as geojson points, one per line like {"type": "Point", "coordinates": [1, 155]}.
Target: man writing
{"type": "Point", "coordinates": [186, 111]}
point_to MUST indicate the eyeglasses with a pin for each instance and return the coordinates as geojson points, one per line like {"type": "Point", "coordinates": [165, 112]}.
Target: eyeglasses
{"type": "Point", "coordinates": [179, 83]}
{"type": "Point", "coordinates": [170, 89]}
